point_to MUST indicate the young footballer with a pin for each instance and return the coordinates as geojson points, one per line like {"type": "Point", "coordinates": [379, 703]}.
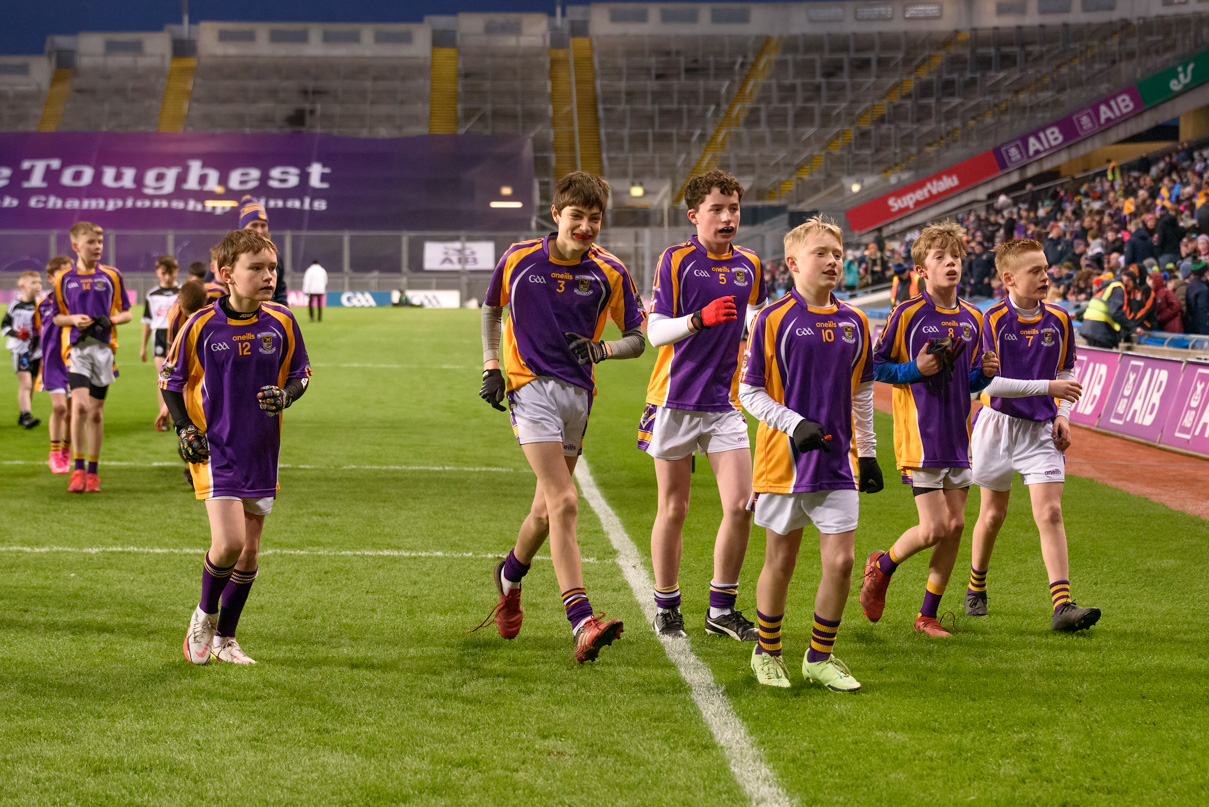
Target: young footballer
{"type": "Point", "coordinates": [233, 369]}
{"type": "Point", "coordinates": [931, 352]}
{"type": "Point", "coordinates": [561, 290]}
{"type": "Point", "coordinates": [192, 298]}
{"type": "Point", "coordinates": [52, 375]}
{"type": "Point", "coordinates": [91, 300]}
{"type": "Point", "coordinates": [18, 326]}
{"type": "Point", "coordinates": [808, 377]}
{"type": "Point", "coordinates": [692, 399]}
{"type": "Point", "coordinates": [1023, 428]}
{"type": "Point", "coordinates": [155, 323]}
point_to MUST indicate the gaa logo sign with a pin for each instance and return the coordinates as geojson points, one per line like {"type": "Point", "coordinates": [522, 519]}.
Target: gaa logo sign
{"type": "Point", "coordinates": [358, 299]}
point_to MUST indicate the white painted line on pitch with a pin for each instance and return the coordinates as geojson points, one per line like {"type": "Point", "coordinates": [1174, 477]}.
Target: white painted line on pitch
{"type": "Point", "coordinates": [746, 761]}
{"type": "Point", "coordinates": [377, 553]}
{"type": "Point", "coordinates": [467, 468]}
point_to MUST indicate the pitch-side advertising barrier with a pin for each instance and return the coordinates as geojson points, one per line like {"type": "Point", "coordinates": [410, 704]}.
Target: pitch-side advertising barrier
{"type": "Point", "coordinates": [1163, 401]}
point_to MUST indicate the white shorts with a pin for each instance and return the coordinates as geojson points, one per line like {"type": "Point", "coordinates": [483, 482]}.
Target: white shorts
{"type": "Point", "coordinates": [92, 359]}
{"type": "Point", "coordinates": [547, 410]}
{"type": "Point", "coordinates": [1003, 445]}
{"type": "Point", "coordinates": [673, 434]}
{"type": "Point", "coordinates": [832, 511]}
{"type": "Point", "coordinates": [939, 478]}
{"type": "Point", "coordinates": [257, 507]}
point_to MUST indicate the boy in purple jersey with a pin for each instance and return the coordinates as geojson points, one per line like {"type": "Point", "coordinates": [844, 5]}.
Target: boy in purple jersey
{"type": "Point", "coordinates": [692, 399]}
{"type": "Point", "coordinates": [52, 376]}
{"type": "Point", "coordinates": [808, 377]}
{"type": "Point", "coordinates": [561, 290]}
{"type": "Point", "coordinates": [234, 362]}
{"type": "Point", "coordinates": [930, 351]}
{"type": "Point", "coordinates": [91, 299]}
{"type": "Point", "coordinates": [1022, 429]}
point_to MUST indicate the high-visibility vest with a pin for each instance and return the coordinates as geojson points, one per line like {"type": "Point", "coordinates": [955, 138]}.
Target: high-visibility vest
{"type": "Point", "coordinates": [914, 290]}
{"type": "Point", "coordinates": [1097, 309]}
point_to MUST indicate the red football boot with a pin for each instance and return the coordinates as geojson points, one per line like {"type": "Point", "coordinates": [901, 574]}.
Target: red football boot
{"type": "Point", "coordinates": [92, 484]}
{"type": "Point", "coordinates": [929, 625]}
{"type": "Point", "coordinates": [873, 588]}
{"type": "Point", "coordinates": [76, 483]}
{"type": "Point", "coordinates": [508, 611]}
{"type": "Point", "coordinates": [595, 634]}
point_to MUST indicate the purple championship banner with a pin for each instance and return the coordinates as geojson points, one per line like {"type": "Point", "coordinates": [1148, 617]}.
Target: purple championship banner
{"type": "Point", "coordinates": [307, 181]}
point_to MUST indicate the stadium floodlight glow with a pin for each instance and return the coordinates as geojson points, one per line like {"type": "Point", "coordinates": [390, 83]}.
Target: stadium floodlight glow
{"type": "Point", "coordinates": [637, 191]}
{"type": "Point", "coordinates": [505, 190]}
{"type": "Point", "coordinates": [507, 205]}
{"type": "Point", "coordinates": [219, 189]}
{"type": "Point", "coordinates": [856, 187]}
{"type": "Point", "coordinates": [221, 203]}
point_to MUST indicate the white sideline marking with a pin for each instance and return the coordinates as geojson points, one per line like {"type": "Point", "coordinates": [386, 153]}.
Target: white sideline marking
{"type": "Point", "coordinates": [401, 366]}
{"type": "Point", "coordinates": [468, 468]}
{"type": "Point", "coordinates": [746, 761]}
{"type": "Point", "coordinates": [151, 550]}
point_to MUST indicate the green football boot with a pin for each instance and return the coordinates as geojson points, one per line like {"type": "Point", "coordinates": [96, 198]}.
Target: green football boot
{"type": "Point", "coordinates": [770, 670]}
{"type": "Point", "coordinates": [832, 673]}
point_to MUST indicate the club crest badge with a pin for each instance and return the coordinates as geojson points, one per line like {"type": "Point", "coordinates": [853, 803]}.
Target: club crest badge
{"type": "Point", "coordinates": [1047, 337]}
{"type": "Point", "coordinates": [849, 333]}
{"type": "Point", "coordinates": [585, 287]}
{"type": "Point", "coordinates": [740, 276]}
{"type": "Point", "coordinates": [266, 343]}
{"type": "Point", "coordinates": [966, 331]}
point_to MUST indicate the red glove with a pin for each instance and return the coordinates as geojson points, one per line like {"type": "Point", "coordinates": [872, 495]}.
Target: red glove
{"type": "Point", "coordinates": [22, 334]}
{"type": "Point", "coordinates": [719, 311]}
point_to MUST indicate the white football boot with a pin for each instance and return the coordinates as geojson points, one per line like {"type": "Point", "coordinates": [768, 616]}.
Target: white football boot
{"type": "Point", "coordinates": [225, 648]}
{"type": "Point", "coordinates": [201, 632]}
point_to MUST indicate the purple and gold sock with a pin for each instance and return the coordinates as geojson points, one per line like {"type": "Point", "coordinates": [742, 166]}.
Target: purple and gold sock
{"type": "Point", "coordinates": [887, 562]}
{"type": "Point", "coordinates": [932, 595]}
{"type": "Point", "coordinates": [722, 598]}
{"type": "Point", "coordinates": [770, 634]}
{"type": "Point", "coordinates": [822, 639]}
{"type": "Point", "coordinates": [79, 461]}
{"type": "Point", "coordinates": [579, 610]}
{"type": "Point", "coordinates": [668, 598]}
{"type": "Point", "coordinates": [214, 579]}
{"type": "Point", "coordinates": [92, 464]}
{"type": "Point", "coordinates": [56, 446]}
{"type": "Point", "coordinates": [978, 581]}
{"type": "Point", "coordinates": [514, 571]}
{"type": "Point", "coordinates": [1059, 593]}
{"type": "Point", "coordinates": [234, 595]}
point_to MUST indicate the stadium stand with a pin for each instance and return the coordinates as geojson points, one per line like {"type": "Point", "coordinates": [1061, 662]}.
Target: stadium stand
{"type": "Point", "coordinates": [23, 84]}
{"type": "Point", "coordinates": [118, 83]}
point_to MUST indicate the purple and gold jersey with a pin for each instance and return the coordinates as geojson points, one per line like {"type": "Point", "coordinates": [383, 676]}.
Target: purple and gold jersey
{"type": "Point", "coordinates": [810, 360]}
{"type": "Point", "coordinates": [701, 373]}
{"type": "Point", "coordinates": [932, 419]}
{"type": "Point", "coordinates": [549, 298]}
{"type": "Point", "coordinates": [1035, 348]}
{"type": "Point", "coordinates": [55, 347]}
{"type": "Point", "coordinates": [220, 364]}
{"type": "Point", "coordinates": [94, 292]}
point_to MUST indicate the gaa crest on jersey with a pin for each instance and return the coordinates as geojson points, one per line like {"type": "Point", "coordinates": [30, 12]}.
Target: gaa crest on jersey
{"type": "Point", "coordinates": [849, 334]}
{"type": "Point", "coordinates": [1047, 337]}
{"type": "Point", "coordinates": [166, 371]}
{"type": "Point", "coordinates": [266, 343]}
{"type": "Point", "coordinates": [585, 287]}
{"type": "Point", "coordinates": [966, 331]}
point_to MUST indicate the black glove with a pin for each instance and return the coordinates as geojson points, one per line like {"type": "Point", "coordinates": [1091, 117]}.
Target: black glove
{"type": "Point", "coordinates": [492, 390]}
{"type": "Point", "coordinates": [102, 322]}
{"type": "Point", "coordinates": [810, 436]}
{"type": "Point", "coordinates": [947, 350]}
{"type": "Point", "coordinates": [273, 400]}
{"type": "Point", "coordinates": [193, 446]}
{"type": "Point", "coordinates": [871, 475]}
{"type": "Point", "coordinates": [586, 351]}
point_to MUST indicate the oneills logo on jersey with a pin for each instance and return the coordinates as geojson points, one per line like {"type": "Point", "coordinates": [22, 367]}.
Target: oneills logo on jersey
{"type": "Point", "coordinates": [266, 343]}
{"type": "Point", "coordinates": [849, 333]}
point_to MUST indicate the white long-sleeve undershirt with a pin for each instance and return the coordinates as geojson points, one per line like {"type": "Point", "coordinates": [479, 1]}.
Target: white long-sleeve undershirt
{"type": "Point", "coordinates": [759, 403]}
{"type": "Point", "coordinates": [663, 330]}
{"type": "Point", "coordinates": [1001, 387]}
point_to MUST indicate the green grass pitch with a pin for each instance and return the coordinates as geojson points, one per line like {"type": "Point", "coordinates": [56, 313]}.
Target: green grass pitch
{"type": "Point", "coordinates": [369, 691]}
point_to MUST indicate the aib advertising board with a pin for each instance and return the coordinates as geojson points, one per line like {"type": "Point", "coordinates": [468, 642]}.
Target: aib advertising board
{"type": "Point", "coordinates": [306, 181]}
{"type": "Point", "coordinates": [1187, 424]}
{"type": "Point", "coordinates": [1095, 370]}
{"type": "Point", "coordinates": [1141, 396]}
